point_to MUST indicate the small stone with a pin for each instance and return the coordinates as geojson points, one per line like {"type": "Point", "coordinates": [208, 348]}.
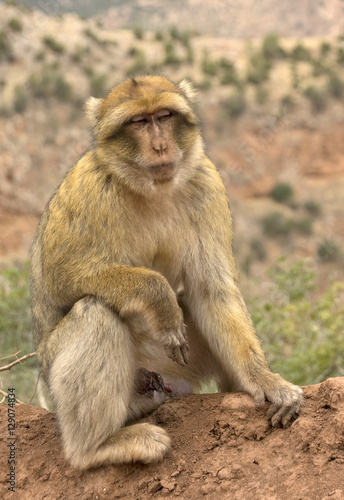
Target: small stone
{"type": "Point", "coordinates": [169, 485]}
{"type": "Point", "coordinates": [225, 473]}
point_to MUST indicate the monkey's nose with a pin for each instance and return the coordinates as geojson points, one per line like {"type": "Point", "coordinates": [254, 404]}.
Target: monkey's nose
{"type": "Point", "coordinates": [160, 147]}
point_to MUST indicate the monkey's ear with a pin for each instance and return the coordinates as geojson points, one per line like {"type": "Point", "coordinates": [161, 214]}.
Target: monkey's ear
{"type": "Point", "coordinates": [92, 108]}
{"type": "Point", "coordinates": [188, 90]}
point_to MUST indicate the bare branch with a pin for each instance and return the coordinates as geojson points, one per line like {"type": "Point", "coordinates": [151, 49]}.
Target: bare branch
{"type": "Point", "coordinates": [19, 360]}
{"type": "Point", "coordinates": [5, 395]}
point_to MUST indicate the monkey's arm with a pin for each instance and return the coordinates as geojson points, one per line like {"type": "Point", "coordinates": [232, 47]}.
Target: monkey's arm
{"type": "Point", "coordinates": [134, 293]}
{"type": "Point", "coordinates": [222, 318]}
{"type": "Point", "coordinates": [218, 309]}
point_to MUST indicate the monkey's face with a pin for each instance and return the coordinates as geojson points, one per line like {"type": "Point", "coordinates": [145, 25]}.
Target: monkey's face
{"type": "Point", "coordinates": [147, 131]}
{"type": "Point", "coordinates": [155, 142]}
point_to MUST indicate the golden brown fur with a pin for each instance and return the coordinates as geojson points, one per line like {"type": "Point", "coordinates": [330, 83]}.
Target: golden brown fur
{"type": "Point", "coordinates": [132, 229]}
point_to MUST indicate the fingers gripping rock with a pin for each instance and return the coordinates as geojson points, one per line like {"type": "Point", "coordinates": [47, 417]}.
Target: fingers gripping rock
{"type": "Point", "coordinates": [286, 400]}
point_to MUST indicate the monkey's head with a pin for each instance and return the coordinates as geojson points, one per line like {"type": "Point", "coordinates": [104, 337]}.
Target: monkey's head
{"type": "Point", "coordinates": [147, 132]}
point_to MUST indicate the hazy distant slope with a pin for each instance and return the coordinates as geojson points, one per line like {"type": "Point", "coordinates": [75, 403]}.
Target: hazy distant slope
{"type": "Point", "coordinates": [247, 18]}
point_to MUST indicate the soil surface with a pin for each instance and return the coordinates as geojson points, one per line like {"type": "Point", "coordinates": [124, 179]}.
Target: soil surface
{"type": "Point", "coordinates": [222, 447]}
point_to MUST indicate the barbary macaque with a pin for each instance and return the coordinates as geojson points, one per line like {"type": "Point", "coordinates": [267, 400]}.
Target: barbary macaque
{"type": "Point", "coordinates": [134, 284]}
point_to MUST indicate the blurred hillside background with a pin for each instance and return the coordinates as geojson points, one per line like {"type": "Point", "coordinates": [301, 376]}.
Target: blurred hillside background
{"type": "Point", "coordinates": [270, 77]}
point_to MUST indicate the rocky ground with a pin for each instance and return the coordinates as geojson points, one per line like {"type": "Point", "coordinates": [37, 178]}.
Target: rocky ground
{"type": "Point", "coordinates": [222, 448]}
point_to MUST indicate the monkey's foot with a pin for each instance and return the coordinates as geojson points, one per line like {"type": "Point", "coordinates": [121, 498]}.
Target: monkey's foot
{"type": "Point", "coordinates": [144, 443]}
{"type": "Point", "coordinates": [147, 382]}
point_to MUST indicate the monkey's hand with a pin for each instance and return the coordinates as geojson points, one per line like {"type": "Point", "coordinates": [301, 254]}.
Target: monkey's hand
{"type": "Point", "coordinates": [285, 397]}
{"type": "Point", "coordinates": [176, 345]}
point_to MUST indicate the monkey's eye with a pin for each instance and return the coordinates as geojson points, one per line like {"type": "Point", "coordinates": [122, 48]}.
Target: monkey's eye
{"type": "Point", "coordinates": [163, 114]}
{"type": "Point", "coordinates": [140, 119]}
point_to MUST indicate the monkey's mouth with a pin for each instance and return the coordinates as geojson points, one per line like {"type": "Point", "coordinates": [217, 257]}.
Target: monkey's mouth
{"type": "Point", "coordinates": [162, 172]}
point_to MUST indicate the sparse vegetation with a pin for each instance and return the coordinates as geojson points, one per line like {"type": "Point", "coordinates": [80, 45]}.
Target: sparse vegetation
{"type": "Point", "coordinates": [20, 100]}
{"type": "Point", "coordinates": [15, 326]}
{"type": "Point", "coordinates": [209, 67]}
{"type": "Point", "coordinates": [262, 95]}
{"type": "Point", "coordinates": [271, 47]}
{"type": "Point", "coordinates": [300, 53]}
{"type": "Point", "coordinates": [302, 329]}
{"type": "Point", "coordinates": [139, 65]}
{"type": "Point", "coordinates": [317, 98]}
{"type": "Point", "coordinates": [15, 24]}
{"type": "Point", "coordinates": [275, 224]}
{"type": "Point", "coordinates": [282, 192]}
{"type": "Point", "coordinates": [258, 249]}
{"type": "Point", "coordinates": [171, 57]}
{"type": "Point", "coordinates": [138, 33]}
{"type": "Point", "coordinates": [235, 104]}
{"type": "Point", "coordinates": [258, 68]}
{"type": "Point", "coordinates": [303, 226]}
{"type": "Point", "coordinates": [63, 90]}
{"type": "Point", "coordinates": [287, 102]}
{"type": "Point", "coordinates": [53, 44]}
{"type": "Point", "coordinates": [5, 47]}
{"type": "Point", "coordinates": [98, 84]}
{"type": "Point", "coordinates": [313, 207]}
{"type": "Point", "coordinates": [335, 86]}
{"type": "Point", "coordinates": [325, 49]}
{"type": "Point", "coordinates": [328, 251]}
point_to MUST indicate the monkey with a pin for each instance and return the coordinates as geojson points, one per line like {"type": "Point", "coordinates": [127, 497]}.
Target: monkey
{"type": "Point", "coordinates": [134, 285]}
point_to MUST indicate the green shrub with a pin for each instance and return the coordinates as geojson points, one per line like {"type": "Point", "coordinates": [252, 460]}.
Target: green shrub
{"type": "Point", "coordinates": [295, 77]}
{"type": "Point", "coordinates": [262, 95]}
{"type": "Point", "coordinates": [287, 102]}
{"type": "Point", "coordinates": [301, 327]}
{"type": "Point", "coordinates": [229, 75]}
{"type": "Point", "coordinates": [282, 192]}
{"type": "Point", "coordinates": [5, 48]}
{"type": "Point", "coordinates": [276, 224]}
{"type": "Point", "coordinates": [209, 67]}
{"type": "Point", "coordinates": [328, 251]}
{"type": "Point", "coordinates": [40, 55]}
{"type": "Point", "coordinates": [205, 84]}
{"type": "Point", "coordinates": [271, 48]}
{"type": "Point", "coordinates": [317, 98]}
{"type": "Point", "coordinates": [170, 55]}
{"type": "Point", "coordinates": [15, 24]}
{"type": "Point", "coordinates": [159, 36]}
{"type": "Point", "coordinates": [313, 207]}
{"type": "Point", "coordinates": [258, 248]}
{"type": "Point", "coordinates": [190, 55]}
{"type": "Point", "coordinates": [235, 105]}
{"type": "Point", "coordinates": [319, 67]}
{"type": "Point", "coordinates": [325, 49]}
{"type": "Point", "coordinates": [303, 226]}
{"type": "Point", "coordinates": [138, 33]}
{"type": "Point", "coordinates": [21, 99]}
{"type": "Point", "coordinates": [62, 89]}
{"type": "Point", "coordinates": [340, 55]}
{"type": "Point", "coordinates": [300, 53]}
{"type": "Point", "coordinates": [15, 330]}
{"type": "Point", "coordinates": [98, 84]}
{"type": "Point", "coordinates": [139, 65]}
{"type": "Point", "coordinates": [53, 44]}
{"type": "Point", "coordinates": [335, 86]}
{"type": "Point", "coordinates": [41, 83]}
{"type": "Point", "coordinates": [258, 68]}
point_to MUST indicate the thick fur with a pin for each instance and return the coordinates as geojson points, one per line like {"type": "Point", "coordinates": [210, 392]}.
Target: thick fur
{"type": "Point", "coordinates": [120, 264]}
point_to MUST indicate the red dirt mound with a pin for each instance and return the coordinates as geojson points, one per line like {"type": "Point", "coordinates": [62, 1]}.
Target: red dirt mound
{"type": "Point", "coordinates": [222, 448]}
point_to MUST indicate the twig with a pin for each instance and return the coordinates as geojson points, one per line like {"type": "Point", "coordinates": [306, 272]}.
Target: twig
{"type": "Point", "coordinates": [19, 360]}
{"type": "Point", "coordinates": [5, 395]}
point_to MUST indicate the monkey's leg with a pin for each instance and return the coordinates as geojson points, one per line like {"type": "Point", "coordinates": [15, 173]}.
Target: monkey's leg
{"type": "Point", "coordinates": [92, 382]}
